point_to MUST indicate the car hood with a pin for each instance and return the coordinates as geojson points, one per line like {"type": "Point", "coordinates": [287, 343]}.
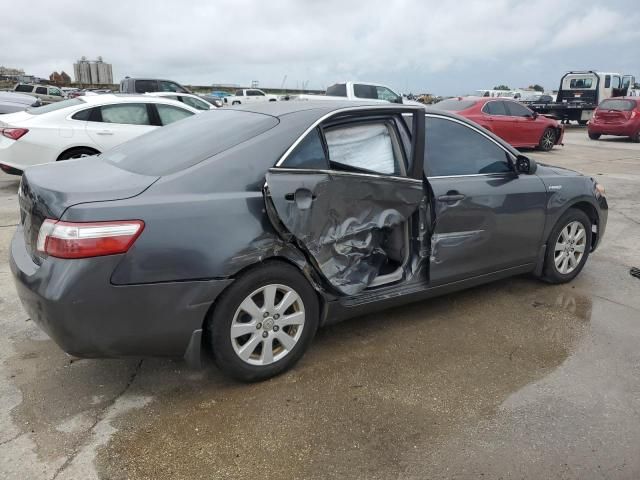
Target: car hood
{"type": "Point", "coordinates": [58, 186]}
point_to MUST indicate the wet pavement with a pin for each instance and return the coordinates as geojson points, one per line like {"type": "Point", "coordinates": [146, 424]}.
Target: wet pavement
{"type": "Point", "coordinates": [516, 379]}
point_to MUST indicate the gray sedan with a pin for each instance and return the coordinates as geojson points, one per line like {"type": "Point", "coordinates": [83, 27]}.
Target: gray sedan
{"type": "Point", "coordinates": [244, 230]}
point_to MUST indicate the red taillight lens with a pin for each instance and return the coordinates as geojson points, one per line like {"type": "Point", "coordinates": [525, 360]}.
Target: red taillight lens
{"type": "Point", "coordinates": [83, 240]}
{"type": "Point", "coordinates": [13, 133]}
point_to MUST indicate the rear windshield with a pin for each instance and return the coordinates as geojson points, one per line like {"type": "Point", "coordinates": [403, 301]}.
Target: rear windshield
{"type": "Point", "coordinates": [24, 88]}
{"type": "Point", "coordinates": [188, 142]}
{"type": "Point", "coordinates": [581, 83]}
{"type": "Point", "coordinates": [455, 105]}
{"type": "Point", "coordinates": [622, 105]}
{"type": "Point", "coordinates": [52, 107]}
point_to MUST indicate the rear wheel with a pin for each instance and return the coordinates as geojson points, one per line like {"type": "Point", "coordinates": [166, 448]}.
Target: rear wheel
{"type": "Point", "coordinates": [568, 247]}
{"type": "Point", "coordinates": [79, 152]}
{"type": "Point", "coordinates": [582, 122]}
{"type": "Point", "coordinates": [594, 136]}
{"type": "Point", "coordinates": [548, 140]}
{"type": "Point", "coordinates": [264, 322]}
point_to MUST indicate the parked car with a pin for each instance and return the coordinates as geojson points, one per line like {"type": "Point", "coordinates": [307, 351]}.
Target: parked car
{"type": "Point", "coordinates": [356, 91]}
{"type": "Point", "coordinates": [248, 95]}
{"type": "Point", "coordinates": [215, 101]}
{"type": "Point", "coordinates": [11, 102]}
{"type": "Point", "coordinates": [81, 127]}
{"type": "Point", "coordinates": [187, 98]}
{"type": "Point", "coordinates": [46, 93]}
{"type": "Point", "coordinates": [257, 226]}
{"type": "Point", "coordinates": [616, 116]}
{"type": "Point", "coordinates": [537, 99]}
{"type": "Point", "coordinates": [219, 94]}
{"type": "Point", "coordinates": [146, 85]}
{"type": "Point", "coordinates": [510, 120]}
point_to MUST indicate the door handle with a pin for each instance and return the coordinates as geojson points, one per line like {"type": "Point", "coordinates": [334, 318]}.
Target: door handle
{"type": "Point", "coordinates": [451, 198]}
{"type": "Point", "coordinates": [105, 132]}
{"type": "Point", "coordinates": [302, 196]}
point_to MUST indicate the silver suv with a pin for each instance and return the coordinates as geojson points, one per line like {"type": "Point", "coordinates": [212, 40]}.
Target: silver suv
{"type": "Point", "coordinates": [46, 93]}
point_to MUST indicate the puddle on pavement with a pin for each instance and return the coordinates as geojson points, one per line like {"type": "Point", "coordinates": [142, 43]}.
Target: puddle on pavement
{"type": "Point", "coordinates": [369, 391]}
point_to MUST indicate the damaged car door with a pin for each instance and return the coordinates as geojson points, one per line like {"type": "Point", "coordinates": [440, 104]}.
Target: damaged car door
{"type": "Point", "coordinates": [487, 217]}
{"type": "Point", "coordinates": [345, 194]}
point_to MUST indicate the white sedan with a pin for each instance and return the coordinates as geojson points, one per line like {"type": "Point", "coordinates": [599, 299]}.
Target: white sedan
{"type": "Point", "coordinates": [81, 127]}
{"type": "Point", "coordinates": [187, 98]}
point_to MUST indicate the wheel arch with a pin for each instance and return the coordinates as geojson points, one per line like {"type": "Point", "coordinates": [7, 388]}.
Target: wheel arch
{"type": "Point", "coordinates": [593, 215]}
{"type": "Point", "coordinates": [77, 147]}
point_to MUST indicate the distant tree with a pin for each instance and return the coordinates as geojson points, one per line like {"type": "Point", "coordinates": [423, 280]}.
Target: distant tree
{"type": "Point", "coordinates": [502, 87]}
{"type": "Point", "coordinates": [537, 88]}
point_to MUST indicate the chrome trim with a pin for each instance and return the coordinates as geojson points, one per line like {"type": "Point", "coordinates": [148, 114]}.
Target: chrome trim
{"type": "Point", "coordinates": [386, 106]}
{"type": "Point", "coordinates": [394, 178]}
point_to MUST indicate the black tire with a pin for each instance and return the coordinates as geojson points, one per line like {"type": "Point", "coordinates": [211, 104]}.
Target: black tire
{"type": "Point", "coordinates": [582, 122]}
{"type": "Point", "coordinates": [594, 136]}
{"type": "Point", "coordinates": [636, 138]}
{"type": "Point", "coordinates": [547, 140]}
{"type": "Point", "coordinates": [220, 321]}
{"type": "Point", "coordinates": [235, 103]}
{"type": "Point", "coordinates": [77, 153]}
{"type": "Point", "coordinates": [550, 272]}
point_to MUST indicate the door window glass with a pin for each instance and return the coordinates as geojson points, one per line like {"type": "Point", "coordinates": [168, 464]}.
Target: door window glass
{"type": "Point", "coordinates": [169, 114]}
{"type": "Point", "coordinates": [166, 86]}
{"type": "Point", "coordinates": [337, 90]}
{"type": "Point", "coordinates": [308, 154]}
{"type": "Point", "coordinates": [239, 93]}
{"type": "Point", "coordinates": [367, 148]}
{"type": "Point", "coordinates": [615, 82]}
{"type": "Point", "coordinates": [365, 91]}
{"type": "Point", "coordinates": [494, 108]}
{"type": "Point", "coordinates": [41, 90]}
{"type": "Point", "coordinates": [517, 110]}
{"type": "Point", "coordinates": [607, 81]}
{"type": "Point", "coordinates": [143, 86]}
{"type": "Point", "coordinates": [128, 114]}
{"type": "Point", "coordinates": [385, 94]}
{"type": "Point", "coordinates": [456, 149]}
{"type": "Point", "coordinates": [55, 92]}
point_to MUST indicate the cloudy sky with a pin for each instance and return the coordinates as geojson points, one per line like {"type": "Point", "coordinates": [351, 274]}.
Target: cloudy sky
{"type": "Point", "coordinates": [444, 47]}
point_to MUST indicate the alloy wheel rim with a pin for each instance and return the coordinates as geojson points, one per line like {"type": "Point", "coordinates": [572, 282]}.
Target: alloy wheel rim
{"type": "Point", "coordinates": [570, 247]}
{"type": "Point", "coordinates": [548, 139]}
{"type": "Point", "coordinates": [267, 325]}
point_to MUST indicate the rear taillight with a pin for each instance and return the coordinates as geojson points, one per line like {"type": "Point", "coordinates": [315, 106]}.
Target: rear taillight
{"type": "Point", "coordinates": [13, 133]}
{"type": "Point", "coordinates": [635, 114]}
{"type": "Point", "coordinates": [83, 240]}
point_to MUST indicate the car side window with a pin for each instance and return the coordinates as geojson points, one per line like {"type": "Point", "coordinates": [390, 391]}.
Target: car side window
{"type": "Point", "coordinates": [170, 87]}
{"type": "Point", "coordinates": [41, 90]}
{"type": "Point", "coordinates": [385, 94]}
{"type": "Point", "coordinates": [308, 154]}
{"type": "Point", "coordinates": [365, 91]}
{"type": "Point", "coordinates": [55, 92]}
{"type": "Point", "coordinates": [365, 147]}
{"type": "Point", "coordinates": [83, 115]}
{"type": "Point", "coordinates": [517, 110]}
{"type": "Point", "coordinates": [494, 108]}
{"type": "Point", "coordinates": [126, 113]}
{"type": "Point", "coordinates": [169, 114]}
{"type": "Point", "coordinates": [24, 88]}
{"type": "Point", "coordinates": [143, 86]}
{"type": "Point", "coordinates": [452, 149]}
{"type": "Point", "coordinates": [238, 93]}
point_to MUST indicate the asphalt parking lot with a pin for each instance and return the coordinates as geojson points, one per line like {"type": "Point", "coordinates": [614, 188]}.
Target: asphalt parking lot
{"type": "Point", "coordinates": [517, 379]}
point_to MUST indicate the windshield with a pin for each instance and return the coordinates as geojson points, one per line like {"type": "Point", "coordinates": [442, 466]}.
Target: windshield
{"type": "Point", "coordinates": [581, 83]}
{"type": "Point", "coordinates": [455, 104]}
{"type": "Point", "coordinates": [185, 143]}
{"type": "Point", "coordinates": [620, 105]}
{"type": "Point", "coordinates": [52, 107]}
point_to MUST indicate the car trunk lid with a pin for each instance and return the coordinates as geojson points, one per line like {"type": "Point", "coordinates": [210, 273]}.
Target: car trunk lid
{"type": "Point", "coordinates": [46, 191]}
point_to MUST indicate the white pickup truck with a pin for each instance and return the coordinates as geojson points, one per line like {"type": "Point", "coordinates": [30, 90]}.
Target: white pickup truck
{"type": "Point", "coordinates": [371, 92]}
{"type": "Point", "coordinates": [248, 95]}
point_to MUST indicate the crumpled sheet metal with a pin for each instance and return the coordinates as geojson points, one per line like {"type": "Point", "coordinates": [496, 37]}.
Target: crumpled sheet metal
{"type": "Point", "coordinates": [345, 227]}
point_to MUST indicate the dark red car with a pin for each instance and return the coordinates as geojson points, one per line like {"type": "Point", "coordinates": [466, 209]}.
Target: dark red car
{"type": "Point", "coordinates": [616, 116]}
{"type": "Point", "coordinates": [508, 119]}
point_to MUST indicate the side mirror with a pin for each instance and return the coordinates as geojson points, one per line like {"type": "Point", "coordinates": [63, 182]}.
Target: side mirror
{"type": "Point", "coordinates": [526, 165]}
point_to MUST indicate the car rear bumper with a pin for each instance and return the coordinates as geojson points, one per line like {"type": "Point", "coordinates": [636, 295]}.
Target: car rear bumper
{"type": "Point", "coordinates": [621, 129]}
{"type": "Point", "coordinates": [87, 316]}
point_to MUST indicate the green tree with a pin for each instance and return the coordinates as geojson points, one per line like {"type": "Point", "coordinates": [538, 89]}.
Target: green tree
{"type": "Point", "coordinates": [537, 88]}
{"type": "Point", "coordinates": [502, 87]}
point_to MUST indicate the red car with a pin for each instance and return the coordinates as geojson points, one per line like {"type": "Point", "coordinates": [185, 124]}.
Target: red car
{"type": "Point", "coordinates": [509, 120]}
{"type": "Point", "coordinates": [616, 116]}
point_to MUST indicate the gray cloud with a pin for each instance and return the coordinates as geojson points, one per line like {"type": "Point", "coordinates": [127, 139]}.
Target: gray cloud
{"type": "Point", "coordinates": [443, 47]}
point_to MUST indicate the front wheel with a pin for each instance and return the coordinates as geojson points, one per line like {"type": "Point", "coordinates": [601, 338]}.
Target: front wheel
{"type": "Point", "coordinates": [636, 138]}
{"type": "Point", "coordinates": [235, 103]}
{"type": "Point", "coordinates": [548, 140]}
{"type": "Point", "coordinates": [264, 322]}
{"type": "Point", "coordinates": [594, 136]}
{"type": "Point", "coordinates": [568, 247]}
